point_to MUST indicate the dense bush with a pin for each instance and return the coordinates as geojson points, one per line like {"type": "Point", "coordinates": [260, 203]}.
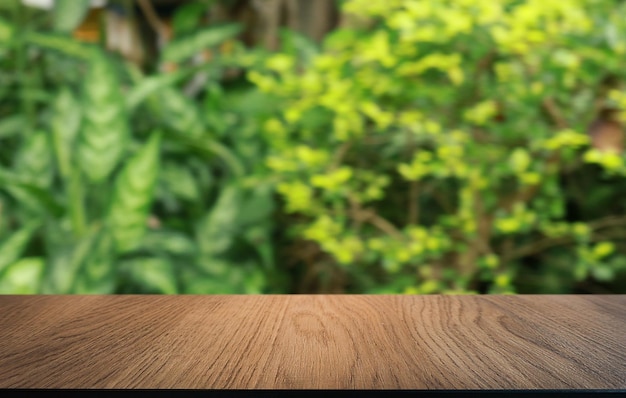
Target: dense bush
{"type": "Point", "coordinates": [441, 146]}
{"type": "Point", "coordinates": [424, 147]}
{"type": "Point", "coordinates": [114, 180]}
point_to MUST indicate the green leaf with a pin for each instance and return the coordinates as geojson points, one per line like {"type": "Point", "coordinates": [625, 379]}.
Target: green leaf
{"type": "Point", "coordinates": [182, 114]}
{"type": "Point", "coordinates": [299, 45]}
{"type": "Point", "coordinates": [34, 162]}
{"type": "Point", "coordinates": [603, 272]}
{"type": "Point", "coordinates": [196, 281]}
{"type": "Point", "coordinates": [224, 277]}
{"type": "Point", "coordinates": [68, 14]}
{"type": "Point", "coordinates": [133, 195]}
{"type": "Point", "coordinates": [208, 147]}
{"type": "Point", "coordinates": [104, 135]}
{"type": "Point", "coordinates": [258, 207]}
{"type": "Point", "coordinates": [167, 242]}
{"type": "Point", "coordinates": [6, 31]}
{"type": "Point", "coordinates": [13, 247]}
{"type": "Point", "coordinates": [255, 218]}
{"type": "Point", "coordinates": [12, 125]}
{"type": "Point", "coordinates": [61, 44]}
{"type": "Point", "coordinates": [254, 280]}
{"type": "Point", "coordinates": [98, 273]}
{"type": "Point", "coordinates": [215, 231]}
{"type": "Point", "coordinates": [188, 46]}
{"type": "Point", "coordinates": [180, 181]}
{"type": "Point", "coordinates": [150, 275]}
{"type": "Point", "coordinates": [22, 277]}
{"type": "Point", "coordinates": [188, 16]}
{"type": "Point", "coordinates": [520, 160]}
{"type": "Point", "coordinates": [209, 286]}
{"type": "Point", "coordinates": [64, 123]}
{"type": "Point", "coordinates": [32, 196]}
{"type": "Point", "coordinates": [67, 256]}
{"type": "Point", "coordinates": [259, 238]}
{"type": "Point", "coordinates": [148, 86]}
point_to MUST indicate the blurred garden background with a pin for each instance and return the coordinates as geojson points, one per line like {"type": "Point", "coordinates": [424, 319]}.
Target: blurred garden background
{"type": "Point", "coordinates": [300, 146]}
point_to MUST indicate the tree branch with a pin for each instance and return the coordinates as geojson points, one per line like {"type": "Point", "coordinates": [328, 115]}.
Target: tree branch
{"type": "Point", "coordinates": [480, 244]}
{"type": "Point", "coordinates": [369, 215]}
{"type": "Point", "coordinates": [382, 224]}
{"type": "Point", "coordinates": [339, 155]}
{"type": "Point", "coordinates": [542, 245]}
{"type": "Point", "coordinates": [413, 202]}
{"type": "Point", "coordinates": [159, 27]}
{"type": "Point", "coordinates": [553, 110]}
{"type": "Point", "coordinates": [611, 221]}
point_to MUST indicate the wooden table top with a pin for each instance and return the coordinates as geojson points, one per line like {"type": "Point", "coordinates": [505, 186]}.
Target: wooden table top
{"type": "Point", "coordinates": [313, 342]}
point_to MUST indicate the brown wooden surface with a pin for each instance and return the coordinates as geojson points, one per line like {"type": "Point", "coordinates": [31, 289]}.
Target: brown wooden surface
{"type": "Point", "coordinates": [414, 342]}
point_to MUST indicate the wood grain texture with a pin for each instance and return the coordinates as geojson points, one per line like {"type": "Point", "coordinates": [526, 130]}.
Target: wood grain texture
{"type": "Point", "coordinates": [310, 342]}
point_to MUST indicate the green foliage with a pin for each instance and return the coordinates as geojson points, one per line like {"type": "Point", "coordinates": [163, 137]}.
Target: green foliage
{"type": "Point", "coordinates": [440, 146]}
{"type": "Point", "coordinates": [132, 196]}
{"type": "Point", "coordinates": [423, 147]}
{"type": "Point", "coordinates": [34, 161]}
{"type": "Point", "coordinates": [64, 125]}
{"type": "Point", "coordinates": [150, 275]}
{"type": "Point", "coordinates": [69, 13]}
{"type": "Point", "coordinates": [190, 45]}
{"type": "Point", "coordinates": [6, 31]}
{"type": "Point", "coordinates": [58, 43]}
{"type": "Point", "coordinates": [19, 277]}
{"type": "Point", "coordinates": [116, 181]}
{"type": "Point", "coordinates": [14, 246]}
{"type": "Point", "coordinates": [214, 229]}
{"type": "Point", "coordinates": [104, 134]}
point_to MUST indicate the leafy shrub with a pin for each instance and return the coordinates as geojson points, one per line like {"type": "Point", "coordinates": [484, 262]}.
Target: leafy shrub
{"type": "Point", "coordinates": [427, 147]}
{"type": "Point", "coordinates": [117, 181]}
{"type": "Point", "coordinates": [441, 146]}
